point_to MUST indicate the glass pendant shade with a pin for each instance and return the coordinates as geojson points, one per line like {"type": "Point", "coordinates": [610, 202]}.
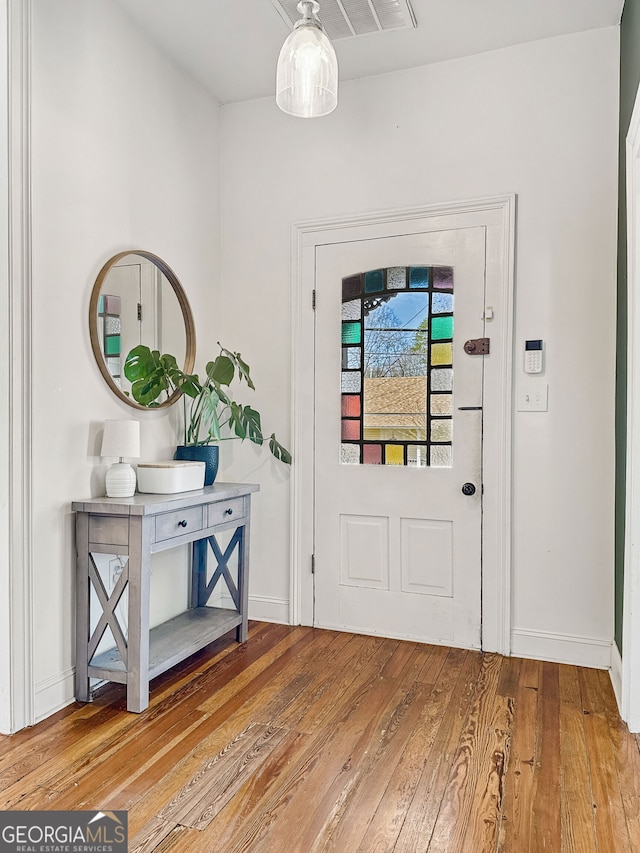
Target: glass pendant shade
{"type": "Point", "coordinates": [307, 75]}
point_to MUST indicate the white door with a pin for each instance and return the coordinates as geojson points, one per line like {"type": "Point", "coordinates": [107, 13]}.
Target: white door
{"type": "Point", "coordinates": [136, 316]}
{"type": "Point", "coordinates": [398, 436]}
{"type": "Point", "coordinates": [134, 280]}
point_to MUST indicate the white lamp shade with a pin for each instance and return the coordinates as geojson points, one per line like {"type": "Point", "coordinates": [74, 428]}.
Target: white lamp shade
{"type": "Point", "coordinates": [307, 75]}
{"type": "Point", "coordinates": [121, 439]}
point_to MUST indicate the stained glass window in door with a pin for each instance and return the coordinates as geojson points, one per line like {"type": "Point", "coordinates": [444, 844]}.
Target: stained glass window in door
{"type": "Point", "coordinates": [397, 367]}
{"type": "Point", "coordinates": [110, 327]}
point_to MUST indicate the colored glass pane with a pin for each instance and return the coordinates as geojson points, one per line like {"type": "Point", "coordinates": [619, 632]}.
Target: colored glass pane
{"type": "Point", "coordinates": [374, 281]}
{"type": "Point", "coordinates": [441, 328]}
{"type": "Point", "coordinates": [101, 304]}
{"type": "Point", "coordinates": [441, 404]}
{"type": "Point", "coordinates": [396, 278]}
{"type": "Point", "coordinates": [441, 456]}
{"type": "Point", "coordinates": [112, 345]}
{"type": "Point", "coordinates": [441, 430]}
{"type": "Point", "coordinates": [350, 454]}
{"type": "Point", "coordinates": [372, 454]}
{"type": "Point", "coordinates": [393, 454]}
{"type": "Point", "coordinates": [351, 287]}
{"type": "Point", "coordinates": [442, 379]}
{"type": "Point", "coordinates": [443, 278]}
{"type": "Point", "coordinates": [111, 304]}
{"type": "Point", "coordinates": [418, 276]}
{"type": "Point", "coordinates": [441, 353]}
{"type": "Point", "coordinates": [350, 405]}
{"type": "Point", "coordinates": [352, 310]}
{"type": "Point", "coordinates": [350, 430]}
{"type": "Point", "coordinates": [351, 358]}
{"type": "Point", "coordinates": [351, 333]}
{"type": "Point", "coordinates": [351, 382]}
{"type": "Point", "coordinates": [112, 325]}
{"type": "Point", "coordinates": [417, 455]}
{"type": "Point", "coordinates": [442, 303]}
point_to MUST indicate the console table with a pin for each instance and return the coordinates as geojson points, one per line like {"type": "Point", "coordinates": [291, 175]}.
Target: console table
{"type": "Point", "coordinates": [139, 527]}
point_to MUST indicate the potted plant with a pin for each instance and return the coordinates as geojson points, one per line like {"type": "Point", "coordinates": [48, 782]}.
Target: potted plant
{"type": "Point", "coordinates": [209, 411]}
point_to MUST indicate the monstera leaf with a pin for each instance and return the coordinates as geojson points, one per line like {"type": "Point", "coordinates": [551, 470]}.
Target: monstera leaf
{"type": "Point", "coordinates": [147, 375]}
{"type": "Point", "coordinates": [245, 422]}
{"type": "Point", "coordinates": [221, 370]}
{"type": "Point", "coordinates": [210, 418]}
{"type": "Point", "coordinates": [278, 450]}
{"type": "Point", "coordinates": [244, 371]}
{"type": "Point", "coordinates": [151, 373]}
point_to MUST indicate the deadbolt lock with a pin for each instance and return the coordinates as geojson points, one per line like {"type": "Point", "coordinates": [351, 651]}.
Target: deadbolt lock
{"type": "Point", "coordinates": [477, 346]}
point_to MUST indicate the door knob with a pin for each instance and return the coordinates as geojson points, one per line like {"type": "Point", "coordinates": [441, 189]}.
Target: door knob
{"type": "Point", "coordinates": [468, 489]}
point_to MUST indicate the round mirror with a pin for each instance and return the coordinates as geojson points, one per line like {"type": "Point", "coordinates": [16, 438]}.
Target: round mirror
{"type": "Point", "coordinates": [137, 299]}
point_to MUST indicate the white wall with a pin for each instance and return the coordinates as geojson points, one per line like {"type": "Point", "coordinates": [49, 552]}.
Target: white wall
{"type": "Point", "coordinates": [125, 155]}
{"type": "Point", "coordinates": [540, 120]}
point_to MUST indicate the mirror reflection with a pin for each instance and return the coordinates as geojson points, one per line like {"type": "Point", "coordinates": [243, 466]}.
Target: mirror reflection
{"type": "Point", "coordinates": [137, 299]}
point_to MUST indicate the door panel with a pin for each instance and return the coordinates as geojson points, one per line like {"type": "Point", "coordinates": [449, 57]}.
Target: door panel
{"type": "Point", "coordinates": [397, 544]}
{"type": "Point", "coordinates": [427, 556]}
{"type": "Point", "coordinates": [364, 551]}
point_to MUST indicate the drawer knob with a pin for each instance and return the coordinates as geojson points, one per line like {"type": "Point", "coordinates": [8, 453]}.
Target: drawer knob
{"type": "Point", "coordinates": [229, 511]}
{"type": "Point", "coordinates": [182, 523]}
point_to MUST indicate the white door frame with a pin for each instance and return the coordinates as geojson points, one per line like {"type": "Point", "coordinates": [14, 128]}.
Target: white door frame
{"type": "Point", "coordinates": [16, 554]}
{"type": "Point", "coordinates": [630, 699]}
{"type": "Point", "coordinates": [499, 213]}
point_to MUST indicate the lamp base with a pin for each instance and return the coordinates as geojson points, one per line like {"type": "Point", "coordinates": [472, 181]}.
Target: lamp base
{"type": "Point", "coordinates": [121, 481]}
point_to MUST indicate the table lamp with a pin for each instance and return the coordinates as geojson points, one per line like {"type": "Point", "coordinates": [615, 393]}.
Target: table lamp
{"type": "Point", "coordinates": [121, 439]}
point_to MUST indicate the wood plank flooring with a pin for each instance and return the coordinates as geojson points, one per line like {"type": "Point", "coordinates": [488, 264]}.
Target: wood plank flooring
{"type": "Point", "coordinates": [301, 741]}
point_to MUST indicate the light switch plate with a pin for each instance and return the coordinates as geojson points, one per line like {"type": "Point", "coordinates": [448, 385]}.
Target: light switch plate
{"type": "Point", "coordinates": [533, 397]}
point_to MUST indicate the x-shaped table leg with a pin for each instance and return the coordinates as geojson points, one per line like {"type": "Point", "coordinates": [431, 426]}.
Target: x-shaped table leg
{"type": "Point", "coordinates": [222, 569]}
{"type": "Point", "coordinates": [108, 604]}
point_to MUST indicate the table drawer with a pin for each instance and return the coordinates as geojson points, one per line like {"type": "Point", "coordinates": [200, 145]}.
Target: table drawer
{"type": "Point", "coordinates": [170, 525]}
{"type": "Point", "coordinates": [108, 530]}
{"type": "Point", "coordinates": [231, 510]}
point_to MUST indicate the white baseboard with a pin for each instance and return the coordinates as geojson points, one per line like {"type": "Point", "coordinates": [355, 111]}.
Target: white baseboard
{"type": "Point", "coordinates": [263, 608]}
{"type": "Point", "coordinates": [561, 648]}
{"type": "Point", "coordinates": [615, 674]}
{"type": "Point", "coordinates": [267, 609]}
{"type": "Point", "coordinates": [54, 693]}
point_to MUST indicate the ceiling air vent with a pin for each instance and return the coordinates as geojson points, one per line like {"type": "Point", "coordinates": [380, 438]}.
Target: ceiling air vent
{"type": "Point", "coordinates": [346, 18]}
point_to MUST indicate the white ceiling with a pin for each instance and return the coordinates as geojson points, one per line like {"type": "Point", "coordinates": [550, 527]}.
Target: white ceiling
{"type": "Point", "coordinates": [231, 46]}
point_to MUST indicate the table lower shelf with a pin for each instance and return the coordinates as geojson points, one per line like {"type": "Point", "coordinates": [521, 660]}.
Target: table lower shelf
{"type": "Point", "coordinates": [170, 642]}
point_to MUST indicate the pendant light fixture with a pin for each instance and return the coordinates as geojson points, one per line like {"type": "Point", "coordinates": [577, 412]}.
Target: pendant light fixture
{"type": "Point", "coordinates": [307, 76]}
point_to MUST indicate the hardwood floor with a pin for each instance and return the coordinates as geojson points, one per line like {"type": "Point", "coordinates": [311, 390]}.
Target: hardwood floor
{"type": "Point", "coordinates": [304, 740]}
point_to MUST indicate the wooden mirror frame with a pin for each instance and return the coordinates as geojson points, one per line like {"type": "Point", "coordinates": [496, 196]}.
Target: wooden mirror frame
{"type": "Point", "coordinates": [187, 316]}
